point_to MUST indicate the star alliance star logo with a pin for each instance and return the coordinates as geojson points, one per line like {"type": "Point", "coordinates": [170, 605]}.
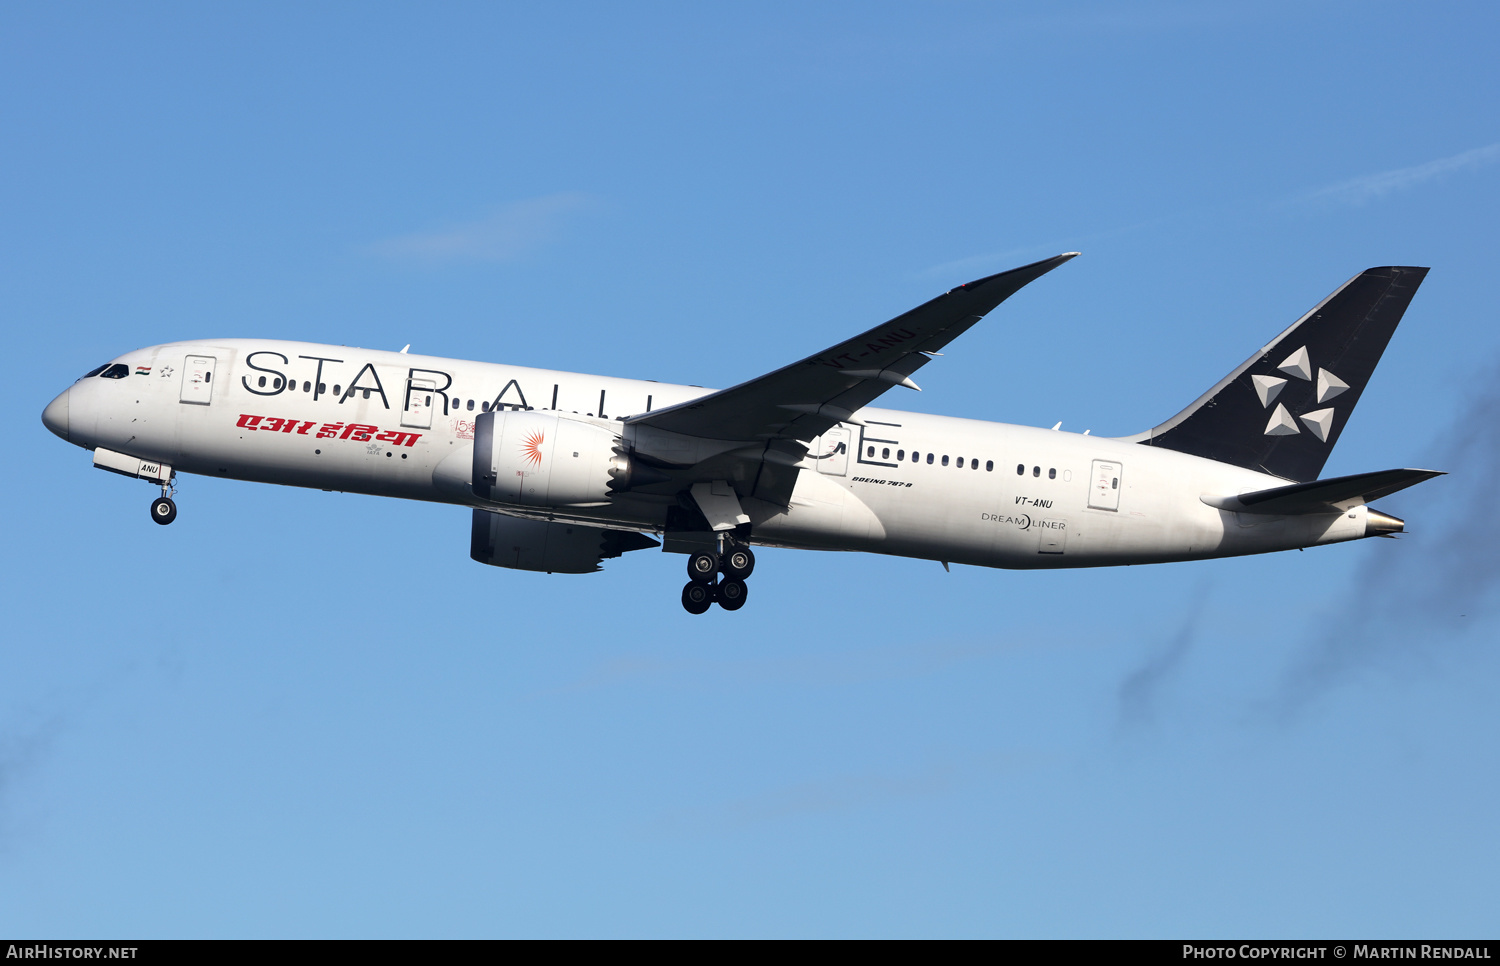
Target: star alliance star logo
{"type": "Point", "coordinates": [1298, 366]}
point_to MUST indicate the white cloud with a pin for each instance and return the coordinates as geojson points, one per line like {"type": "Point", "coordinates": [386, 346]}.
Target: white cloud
{"type": "Point", "coordinates": [507, 234]}
{"type": "Point", "coordinates": [1357, 191]}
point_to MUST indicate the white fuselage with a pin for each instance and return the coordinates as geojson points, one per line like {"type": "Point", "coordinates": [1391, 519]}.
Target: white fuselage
{"type": "Point", "coordinates": [982, 493]}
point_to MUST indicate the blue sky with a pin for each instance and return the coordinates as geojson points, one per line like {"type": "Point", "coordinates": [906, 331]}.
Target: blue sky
{"type": "Point", "coordinates": [296, 713]}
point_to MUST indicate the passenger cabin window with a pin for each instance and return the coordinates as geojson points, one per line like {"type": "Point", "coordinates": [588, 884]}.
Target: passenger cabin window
{"type": "Point", "coordinates": [471, 405]}
{"type": "Point", "coordinates": [945, 459]}
{"type": "Point", "coordinates": [1052, 474]}
{"type": "Point", "coordinates": [116, 371]}
{"type": "Point", "coordinates": [989, 466]}
{"type": "Point", "coordinates": [885, 454]}
{"type": "Point", "coordinates": [870, 452]}
{"type": "Point", "coordinates": [307, 385]}
{"type": "Point", "coordinates": [1036, 471]}
{"type": "Point", "coordinates": [900, 455]}
{"type": "Point", "coordinates": [1020, 469]}
{"type": "Point", "coordinates": [929, 459]}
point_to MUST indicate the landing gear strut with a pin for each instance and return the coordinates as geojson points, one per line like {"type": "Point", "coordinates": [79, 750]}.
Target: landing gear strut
{"type": "Point", "coordinates": [735, 562]}
{"type": "Point", "coordinates": [163, 510]}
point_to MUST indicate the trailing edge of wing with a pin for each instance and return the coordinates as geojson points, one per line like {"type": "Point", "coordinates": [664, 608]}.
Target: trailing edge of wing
{"type": "Point", "coordinates": [802, 400]}
{"type": "Point", "coordinates": [1323, 496]}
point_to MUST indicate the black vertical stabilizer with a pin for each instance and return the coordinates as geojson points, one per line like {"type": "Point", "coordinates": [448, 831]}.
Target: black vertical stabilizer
{"type": "Point", "coordinates": [1284, 408]}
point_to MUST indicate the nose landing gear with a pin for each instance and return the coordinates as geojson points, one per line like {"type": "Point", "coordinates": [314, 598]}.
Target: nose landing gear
{"type": "Point", "coordinates": [163, 510]}
{"type": "Point", "coordinates": [704, 587]}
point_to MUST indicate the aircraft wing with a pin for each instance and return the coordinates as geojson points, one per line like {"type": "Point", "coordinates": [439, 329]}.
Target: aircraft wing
{"type": "Point", "coordinates": [804, 399]}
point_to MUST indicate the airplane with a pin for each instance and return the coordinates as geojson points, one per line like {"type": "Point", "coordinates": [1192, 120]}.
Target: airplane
{"type": "Point", "coordinates": [563, 470]}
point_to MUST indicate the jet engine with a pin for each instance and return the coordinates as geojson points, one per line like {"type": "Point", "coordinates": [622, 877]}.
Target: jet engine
{"type": "Point", "coordinates": [550, 546]}
{"type": "Point", "coordinates": [542, 459]}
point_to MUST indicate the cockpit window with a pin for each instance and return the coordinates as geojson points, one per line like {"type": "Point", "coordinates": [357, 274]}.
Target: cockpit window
{"type": "Point", "coordinates": [117, 371]}
{"type": "Point", "coordinates": [94, 372]}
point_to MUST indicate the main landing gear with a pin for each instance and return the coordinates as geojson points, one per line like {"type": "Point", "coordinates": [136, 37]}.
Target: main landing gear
{"type": "Point", "coordinates": [704, 567]}
{"type": "Point", "coordinates": [163, 510]}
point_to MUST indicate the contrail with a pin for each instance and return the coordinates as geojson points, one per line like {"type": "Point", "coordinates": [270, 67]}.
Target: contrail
{"type": "Point", "coordinates": [1140, 689]}
{"type": "Point", "coordinates": [1417, 601]}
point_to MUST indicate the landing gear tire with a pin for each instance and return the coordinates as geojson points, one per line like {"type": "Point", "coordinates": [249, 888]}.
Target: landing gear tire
{"type": "Point", "coordinates": [703, 566]}
{"type": "Point", "coordinates": [738, 563]}
{"type": "Point", "coordinates": [697, 597]}
{"type": "Point", "coordinates": [732, 594]}
{"type": "Point", "coordinates": [163, 510]}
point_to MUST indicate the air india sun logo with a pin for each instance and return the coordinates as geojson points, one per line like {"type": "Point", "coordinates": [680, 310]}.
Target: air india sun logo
{"type": "Point", "coordinates": [531, 447]}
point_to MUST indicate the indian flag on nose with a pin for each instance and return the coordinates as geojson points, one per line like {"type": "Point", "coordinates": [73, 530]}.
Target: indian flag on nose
{"type": "Point", "coordinates": [143, 370]}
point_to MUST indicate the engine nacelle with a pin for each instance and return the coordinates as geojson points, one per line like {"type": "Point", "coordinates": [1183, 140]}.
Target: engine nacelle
{"type": "Point", "coordinates": [550, 546]}
{"type": "Point", "coordinates": [542, 459]}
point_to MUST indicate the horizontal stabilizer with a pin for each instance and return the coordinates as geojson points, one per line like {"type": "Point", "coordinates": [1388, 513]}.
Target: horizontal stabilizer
{"type": "Point", "coordinates": [1322, 496]}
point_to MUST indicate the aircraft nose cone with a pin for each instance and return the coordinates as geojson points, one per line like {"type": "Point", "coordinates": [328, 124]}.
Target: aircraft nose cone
{"type": "Point", "coordinates": [55, 416]}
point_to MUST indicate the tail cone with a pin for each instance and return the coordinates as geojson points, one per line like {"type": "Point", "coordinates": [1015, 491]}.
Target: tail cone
{"type": "Point", "coordinates": [1378, 524]}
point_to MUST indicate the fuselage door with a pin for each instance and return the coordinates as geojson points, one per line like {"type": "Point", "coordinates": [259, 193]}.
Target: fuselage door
{"type": "Point", "coordinates": [419, 396]}
{"type": "Point", "coordinates": [198, 380]}
{"type": "Point", "coordinates": [833, 451]}
{"type": "Point", "coordinates": [1104, 490]}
